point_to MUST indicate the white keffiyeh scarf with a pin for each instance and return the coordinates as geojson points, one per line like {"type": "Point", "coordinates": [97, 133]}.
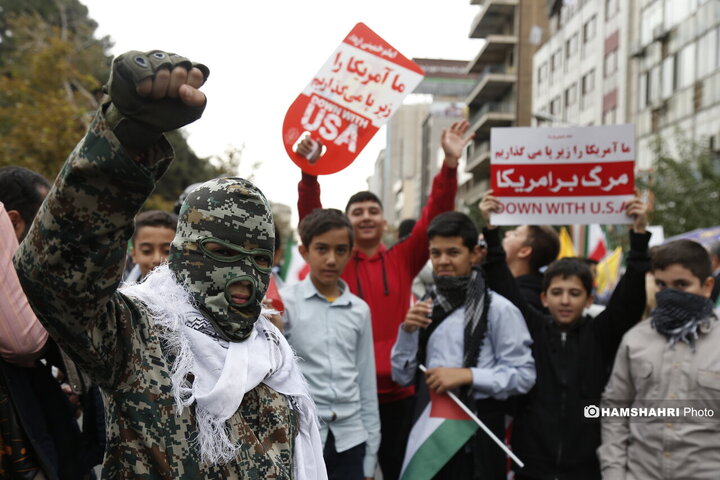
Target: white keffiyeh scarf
{"type": "Point", "coordinates": [224, 371]}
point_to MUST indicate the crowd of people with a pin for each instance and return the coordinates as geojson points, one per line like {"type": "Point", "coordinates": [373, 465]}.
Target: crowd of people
{"type": "Point", "coordinates": [166, 359]}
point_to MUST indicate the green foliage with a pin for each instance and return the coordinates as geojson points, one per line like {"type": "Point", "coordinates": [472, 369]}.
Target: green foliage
{"type": "Point", "coordinates": [48, 81]}
{"type": "Point", "coordinates": [52, 69]}
{"type": "Point", "coordinates": [685, 189]}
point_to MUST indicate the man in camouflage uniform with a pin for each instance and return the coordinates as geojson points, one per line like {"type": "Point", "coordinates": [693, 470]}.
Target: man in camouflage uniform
{"type": "Point", "coordinates": [146, 347]}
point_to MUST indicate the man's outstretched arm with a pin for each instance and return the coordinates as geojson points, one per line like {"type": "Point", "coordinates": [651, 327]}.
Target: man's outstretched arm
{"type": "Point", "coordinates": [71, 261]}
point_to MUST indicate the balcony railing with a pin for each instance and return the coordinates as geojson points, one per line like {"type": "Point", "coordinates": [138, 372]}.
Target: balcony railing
{"type": "Point", "coordinates": [492, 107]}
{"type": "Point", "coordinates": [495, 16]}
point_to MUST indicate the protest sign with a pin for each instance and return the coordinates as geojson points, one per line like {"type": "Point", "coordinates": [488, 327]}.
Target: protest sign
{"type": "Point", "coordinates": [560, 176]}
{"type": "Point", "coordinates": [355, 92]}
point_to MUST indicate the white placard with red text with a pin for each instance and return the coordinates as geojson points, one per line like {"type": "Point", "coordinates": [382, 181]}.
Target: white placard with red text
{"type": "Point", "coordinates": [561, 176]}
{"type": "Point", "coordinates": [356, 92]}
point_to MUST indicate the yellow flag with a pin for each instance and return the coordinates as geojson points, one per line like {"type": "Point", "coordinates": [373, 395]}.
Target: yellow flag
{"type": "Point", "coordinates": [567, 249]}
{"type": "Point", "coordinates": [608, 271]}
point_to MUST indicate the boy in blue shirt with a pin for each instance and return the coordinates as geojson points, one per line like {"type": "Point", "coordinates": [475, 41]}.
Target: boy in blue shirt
{"type": "Point", "coordinates": [330, 330]}
{"type": "Point", "coordinates": [471, 339]}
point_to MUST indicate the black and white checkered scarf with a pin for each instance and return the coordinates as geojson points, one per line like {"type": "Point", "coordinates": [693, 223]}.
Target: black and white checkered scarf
{"type": "Point", "coordinates": [449, 293]}
{"type": "Point", "coordinates": [680, 316]}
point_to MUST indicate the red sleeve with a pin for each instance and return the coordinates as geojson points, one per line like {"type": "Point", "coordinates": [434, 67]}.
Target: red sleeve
{"type": "Point", "coordinates": [414, 249]}
{"type": "Point", "coordinates": [308, 195]}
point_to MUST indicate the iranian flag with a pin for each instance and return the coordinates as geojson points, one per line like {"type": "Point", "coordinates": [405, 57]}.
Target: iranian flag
{"type": "Point", "coordinates": [440, 431]}
{"type": "Point", "coordinates": [596, 243]}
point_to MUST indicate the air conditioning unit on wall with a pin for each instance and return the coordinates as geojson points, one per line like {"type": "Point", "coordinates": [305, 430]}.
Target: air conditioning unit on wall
{"type": "Point", "coordinates": [658, 105]}
{"type": "Point", "coordinates": [660, 33]}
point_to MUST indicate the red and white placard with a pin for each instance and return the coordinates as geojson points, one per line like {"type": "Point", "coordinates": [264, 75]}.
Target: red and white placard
{"type": "Point", "coordinates": [560, 176]}
{"type": "Point", "coordinates": [356, 92]}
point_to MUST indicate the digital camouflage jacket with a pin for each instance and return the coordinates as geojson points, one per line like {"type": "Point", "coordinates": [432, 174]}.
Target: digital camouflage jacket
{"type": "Point", "coordinates": [70, 266]}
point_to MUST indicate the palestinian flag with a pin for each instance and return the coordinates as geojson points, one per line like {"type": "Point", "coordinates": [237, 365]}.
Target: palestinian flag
{"type": "Point", "coordinates": [439, 432]}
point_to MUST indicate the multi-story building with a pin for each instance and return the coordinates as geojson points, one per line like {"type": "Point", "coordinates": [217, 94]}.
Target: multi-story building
{"type": "Point", "coordinates": [502, 96]}
{"type": "Point", "coordinates": [403, 151]}
{"type": "Point", "coordinates": [412, 155]}
{"type": "Point", "coordinates": [653, 63]}
{"type": "Point", "coordinates": [376, 182]}
{"type": "Point", "coordinates": [675, 77]}
{"type": "Point", "coordinates": [581, 71]}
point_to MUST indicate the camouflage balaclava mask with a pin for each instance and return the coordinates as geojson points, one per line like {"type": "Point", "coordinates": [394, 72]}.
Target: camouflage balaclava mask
{"type": "Point", "coordinates": [225, 236]}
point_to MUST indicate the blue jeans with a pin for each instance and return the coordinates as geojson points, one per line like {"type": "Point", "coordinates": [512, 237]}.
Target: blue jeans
{"type": "Point", "coordinates": [347, 465]}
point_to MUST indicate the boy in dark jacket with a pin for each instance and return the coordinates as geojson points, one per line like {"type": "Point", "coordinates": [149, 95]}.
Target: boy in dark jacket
{"type": "Point", "coordinates": [573, 353]}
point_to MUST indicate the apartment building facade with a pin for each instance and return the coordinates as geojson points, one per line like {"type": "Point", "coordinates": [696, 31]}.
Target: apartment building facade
{"type": "Point", "coordinates": [502, 96]}
{"type": "Point", "coordinates": [675, 80]}
{"type": "Point", "coordinates": [581, 71]}
{"type": "Point", "coordinates": [652, 63]}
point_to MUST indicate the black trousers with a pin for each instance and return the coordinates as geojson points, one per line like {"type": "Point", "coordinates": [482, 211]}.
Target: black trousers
{"type": "Point", "coordinates": [395, 424]}
{"type": "Point", "coordinates": [347, 465]}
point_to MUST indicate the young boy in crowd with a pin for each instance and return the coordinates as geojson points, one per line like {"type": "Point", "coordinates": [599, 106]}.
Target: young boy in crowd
{"type": "Point", "coordinates": [154, 232]}
{"type": "Point", "coordinates": [528, 248]}
{"type": "Point", "coordinates": [573, 353]}
{"type": "Point", "coordinates": [471, 339]}
{"type": "Point", "coordinates": [670, 360]}
{"type": "Point", "coordinates": [330, 329]}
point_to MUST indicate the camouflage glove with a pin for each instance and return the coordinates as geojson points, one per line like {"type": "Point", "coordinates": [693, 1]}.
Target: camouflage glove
{"type": "Point", "coordinates": [138, 121]}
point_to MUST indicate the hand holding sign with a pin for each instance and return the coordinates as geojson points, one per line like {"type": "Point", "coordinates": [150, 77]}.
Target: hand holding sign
{"type": "Point", "coordinates": [309, 148]}
{"type": "Point", "coordinates": [489, 204]}
{"type": "Point", "coordinates": [637, 210]}
{"type": "Point", "coordinates": [356, 92]}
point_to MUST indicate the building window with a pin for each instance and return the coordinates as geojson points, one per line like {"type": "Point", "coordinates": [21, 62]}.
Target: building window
{"type": "Point", "coordinates": [555, 61]}
{"type": "Point", "coordinates": [611, 63]}
{"type": "Point", "coordinates": [677, 11]}
{"type": "Point", "coordinates": [588, 82]}
{"type": "Point", "coordinates": [707, 50]}
{"type": "Point", "coordinates": [542, 73]}
{"type": "Point", "coordinates": [612, 7]}
{"type": "Point", "coordinates": [668, 77]}
{"type": "Point", "coordinates": [610, 117]}
{"type": "Point", "coordinates": [642, 91]}
{"type": "Point", "coordinates": [589, 29]}
{"type": "Point", "coordinates": [651, 17]}
{"type": "Point", "coordinates": [555, 106]}
{"type": "Point", "coordinates": [571, 46]}
{"type": "Point", "coordinates": [686, 69]}
{"type": "Point", "coordinates": [571, 95]}
{"type": "Point", "coordinates": [588, 85]}
{"type": "Point", "coordinates": [654, 85]}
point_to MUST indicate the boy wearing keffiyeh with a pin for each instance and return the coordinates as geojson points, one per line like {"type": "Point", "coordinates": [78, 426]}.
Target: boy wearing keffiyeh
{"type": "Point", "coordinates": [471, 339]}
{"type": "Point", "coordinates": [670, 360]}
